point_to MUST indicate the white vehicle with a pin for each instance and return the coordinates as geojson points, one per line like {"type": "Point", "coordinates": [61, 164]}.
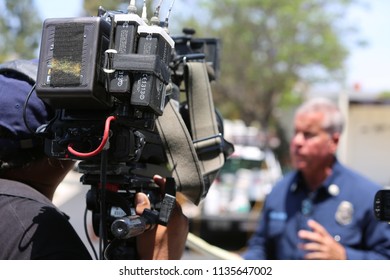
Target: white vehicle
{"type": "Point", "coordinates": [243, 182]}
{"type": "Point", "coordinates": [231, 209]}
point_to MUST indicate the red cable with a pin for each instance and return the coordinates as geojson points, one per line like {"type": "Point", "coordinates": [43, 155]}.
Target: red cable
{"type": "Point", "coordinates": [102, 144]}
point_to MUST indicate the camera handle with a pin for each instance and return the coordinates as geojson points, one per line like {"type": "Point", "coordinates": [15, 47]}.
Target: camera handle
{"type": "Point", "coordinates": [130, 226]}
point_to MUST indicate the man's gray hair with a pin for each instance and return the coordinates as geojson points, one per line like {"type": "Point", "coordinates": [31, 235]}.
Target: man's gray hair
{"type": "Point", "coordinates": [333, 118]}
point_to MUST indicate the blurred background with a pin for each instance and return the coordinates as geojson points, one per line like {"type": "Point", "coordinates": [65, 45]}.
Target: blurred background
{"type": "Point", "coordinates": [272, 56]}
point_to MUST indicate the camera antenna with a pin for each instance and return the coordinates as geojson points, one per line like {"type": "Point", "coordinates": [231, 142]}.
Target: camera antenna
{"type": "Point", "coordinates": [132, 8]}
{"type": "Point", "coordinates": [155, 18]}
{"type": "Point", "coordinates": [166, 22]}
{"type": "Point", "coordinates": [157, 11]}
{"type": "Point", "coordinates": [144, 15]}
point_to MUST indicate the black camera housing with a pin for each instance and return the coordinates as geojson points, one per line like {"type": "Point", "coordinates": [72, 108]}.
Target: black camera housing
{"type": "Point", "coordinates": [71, 59]}
{"type": "Point", "coordinates": [199, 48]}
{"type": "Point", "coordinates": [75, 77]}
{"type": "Point", "coordinates": [382, 205]}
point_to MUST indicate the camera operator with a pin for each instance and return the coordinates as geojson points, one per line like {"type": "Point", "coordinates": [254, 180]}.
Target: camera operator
{"type": "Point", "coordinates": [31, 226]}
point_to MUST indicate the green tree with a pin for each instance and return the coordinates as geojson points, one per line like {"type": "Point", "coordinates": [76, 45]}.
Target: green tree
{"type": "Point", "coordinates": [20, 28]}
{"type": "Point", "coordinates": [91, 6]}
{"type": "Point", "coordinates": [271, 47]}
{"type": "Point", "coordinates": [272, 53]}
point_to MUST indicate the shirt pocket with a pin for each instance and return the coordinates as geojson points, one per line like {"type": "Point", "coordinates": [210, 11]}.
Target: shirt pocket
{"type": "Point", "coordinates": [277, 223]}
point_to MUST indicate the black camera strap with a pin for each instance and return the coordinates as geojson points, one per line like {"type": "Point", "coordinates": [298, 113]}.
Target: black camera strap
{"type": "Point", "coordinates": [196, 156]}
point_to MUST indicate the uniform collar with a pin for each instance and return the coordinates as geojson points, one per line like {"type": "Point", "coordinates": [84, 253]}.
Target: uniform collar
{"type": "Point", "coordinates": [330, 183]}
{"type": "Point", "coordinates": [328, 186]}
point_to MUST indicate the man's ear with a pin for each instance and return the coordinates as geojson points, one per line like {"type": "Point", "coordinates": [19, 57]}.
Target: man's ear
{"type": "Point", "coordinates": [335, 138]}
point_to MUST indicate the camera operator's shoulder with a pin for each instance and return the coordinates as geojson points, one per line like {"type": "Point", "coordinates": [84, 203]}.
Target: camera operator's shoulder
{"type": "Point", "coordinates": [32, 205]}
{"type": "Point", "coordinates": [21, 190]}
{"type": "Point", "coordinates": [20, 69]}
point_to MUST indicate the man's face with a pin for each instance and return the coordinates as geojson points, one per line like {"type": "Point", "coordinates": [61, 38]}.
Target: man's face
{"type": "Point", "coordinates": [311, 147]}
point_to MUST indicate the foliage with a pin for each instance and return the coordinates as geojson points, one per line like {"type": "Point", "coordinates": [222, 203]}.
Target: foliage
{"type": "Point", "coordinates": [270, 47]}
{"type": "Point", "coordinates": [91, 6]}
{"type": "Point", "coordinates": [385, 95]}
{"type": "Point", "coordinates": [20, 28]}
{"type": "Point", "coordinates": [273, 53]}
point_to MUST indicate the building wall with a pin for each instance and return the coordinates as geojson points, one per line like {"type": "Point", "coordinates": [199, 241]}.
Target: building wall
{"type": "Point", "coordinates": [366, 143]}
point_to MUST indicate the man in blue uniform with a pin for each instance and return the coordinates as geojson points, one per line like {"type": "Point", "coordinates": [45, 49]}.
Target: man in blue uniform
{"type": "Point", "coordinates": [322, 210]}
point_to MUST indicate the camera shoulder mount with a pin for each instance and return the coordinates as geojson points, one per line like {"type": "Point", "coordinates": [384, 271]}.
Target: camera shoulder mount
{"type": "Point", "coordinates": [196, 153]}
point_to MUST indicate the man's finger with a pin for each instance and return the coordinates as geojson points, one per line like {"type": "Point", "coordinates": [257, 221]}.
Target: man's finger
{"type": "Point", "coordinates": [141, 202]}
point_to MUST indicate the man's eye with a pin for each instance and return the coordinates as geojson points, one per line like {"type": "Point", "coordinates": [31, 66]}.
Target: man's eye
{"type": "Point", "coordinates": [308, 135]}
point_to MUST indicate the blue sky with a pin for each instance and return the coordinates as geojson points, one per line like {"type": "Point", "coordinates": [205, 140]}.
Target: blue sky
{"type": "Point", "coordinates": [55, 8]}
{"type": "Point", "coordinates": [369, 67]}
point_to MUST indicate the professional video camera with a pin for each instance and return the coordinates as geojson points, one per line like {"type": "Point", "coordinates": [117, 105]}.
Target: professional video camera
{"type": "Point", "coordinates": [382, 205]}
{"type": "Point", "coordinates": [116, 84]}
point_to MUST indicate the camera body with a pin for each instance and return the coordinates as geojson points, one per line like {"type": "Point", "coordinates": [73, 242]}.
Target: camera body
{"type": "Point", "coordinates": [75, 77]}
{"type": "Point", "coordinates": [109, 79]}
{"type": "Point", "coordinates": [71, 56]}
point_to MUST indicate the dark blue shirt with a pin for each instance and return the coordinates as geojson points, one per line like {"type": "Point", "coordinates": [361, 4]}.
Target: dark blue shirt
{"type": "Point", "coordinates": [33, 228]}
{"type": "Point", "coordinates": [343, 205]}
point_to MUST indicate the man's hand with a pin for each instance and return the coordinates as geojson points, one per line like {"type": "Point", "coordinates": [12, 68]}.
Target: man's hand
{"type": "Point", "coordinates": [162, 242]}
{"type": "Point", "coordinates": [320, 244]}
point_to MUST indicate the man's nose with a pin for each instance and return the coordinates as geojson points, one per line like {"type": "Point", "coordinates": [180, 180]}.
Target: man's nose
{"type": "Point", "coordinates": [298, 138]}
